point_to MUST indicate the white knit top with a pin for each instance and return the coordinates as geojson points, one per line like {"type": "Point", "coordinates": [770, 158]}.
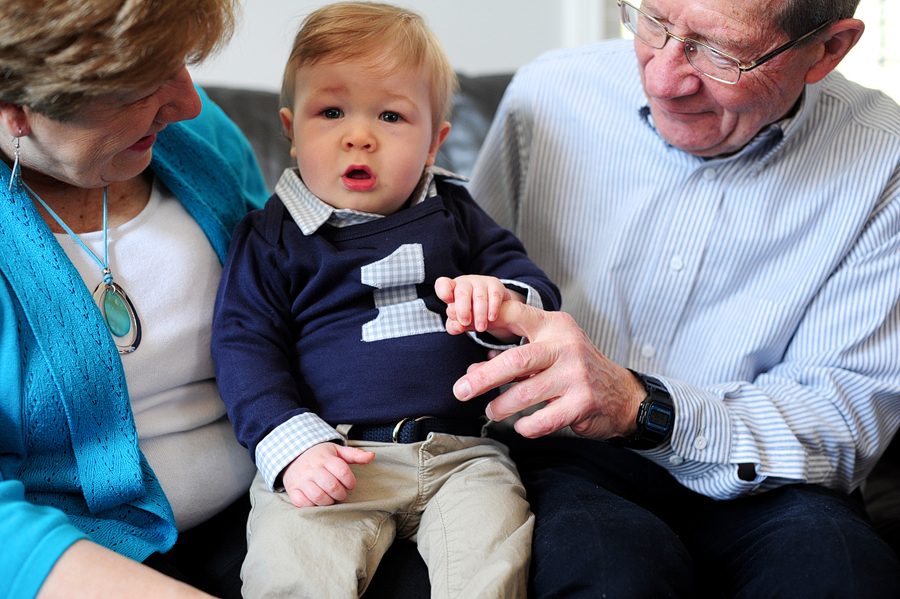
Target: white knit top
{"type": "Point", "coordinates": [166, 265]}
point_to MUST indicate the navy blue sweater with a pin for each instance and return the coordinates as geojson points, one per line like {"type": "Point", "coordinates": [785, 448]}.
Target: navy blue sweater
{"type": "Point", "coordinates": [289, 317]}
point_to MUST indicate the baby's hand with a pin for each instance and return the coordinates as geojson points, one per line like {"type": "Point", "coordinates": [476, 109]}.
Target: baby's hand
{"type": "Point", "coordinates": [473, 302]}
{"type": "Point", "coordinates": [321, 474]}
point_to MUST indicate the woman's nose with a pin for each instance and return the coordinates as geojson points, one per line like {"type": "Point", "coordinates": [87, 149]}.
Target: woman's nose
{"type": "Point", "coordinates": [180, 101]}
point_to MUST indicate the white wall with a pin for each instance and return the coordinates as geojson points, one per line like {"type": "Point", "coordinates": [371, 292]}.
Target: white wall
{"type": "Point", "coordinates": [479, 36]}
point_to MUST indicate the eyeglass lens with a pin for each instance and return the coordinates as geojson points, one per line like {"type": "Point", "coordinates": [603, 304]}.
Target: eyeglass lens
{"type": "Point", "coordinates": [703, 58]}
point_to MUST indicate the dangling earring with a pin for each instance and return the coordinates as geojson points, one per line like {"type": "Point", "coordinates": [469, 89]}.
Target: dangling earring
{"type": "Point", "coordinates": [15, 177]}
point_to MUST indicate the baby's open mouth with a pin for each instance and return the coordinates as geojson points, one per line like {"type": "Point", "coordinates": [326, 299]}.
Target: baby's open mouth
{"type": "Point", "coordinates": [359, 177]}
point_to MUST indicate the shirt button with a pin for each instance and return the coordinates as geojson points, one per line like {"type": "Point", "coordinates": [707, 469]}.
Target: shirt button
{"type": "Point", "coordinates": [701, 442]}
{"type": "Point", "coordinates": [676, 460]}
{"type": "Point", "coordinates": [709, 174]}
{"type": "Point", "coordinates": [648, 352]}
{"type": "Point", "coordinates": [676, 263]}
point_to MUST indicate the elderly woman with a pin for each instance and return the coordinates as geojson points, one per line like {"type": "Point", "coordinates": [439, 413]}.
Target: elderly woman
{"type": "Point", "coordinates": [118, 198]}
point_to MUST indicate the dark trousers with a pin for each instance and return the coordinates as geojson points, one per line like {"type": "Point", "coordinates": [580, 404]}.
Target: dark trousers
{"type": "Point", "coordinates": [209, 556]}
{"type": "Point", "coordinates": [610, 523]}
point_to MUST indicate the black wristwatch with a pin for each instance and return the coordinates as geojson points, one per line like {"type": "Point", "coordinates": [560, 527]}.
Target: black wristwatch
{"type": "Point", "coordinates": [655, 419]}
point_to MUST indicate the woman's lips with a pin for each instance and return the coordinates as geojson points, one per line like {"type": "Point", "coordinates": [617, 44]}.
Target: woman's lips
{"type": "Point", "coordinates": [144, 143]}
{"type": "Point", "coordinates": [358, 178]}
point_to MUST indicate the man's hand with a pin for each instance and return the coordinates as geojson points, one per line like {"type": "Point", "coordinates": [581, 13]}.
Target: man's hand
{"type": "Point", "coordinates": [321, 475]}
{"type": "Point", "coordinates": [473, 304]}
{"type": "Point", "coordinates": [560, 366]}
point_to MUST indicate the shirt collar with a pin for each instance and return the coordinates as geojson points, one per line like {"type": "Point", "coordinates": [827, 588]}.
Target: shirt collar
{"type": "Point", "coordinates": [310, 213]}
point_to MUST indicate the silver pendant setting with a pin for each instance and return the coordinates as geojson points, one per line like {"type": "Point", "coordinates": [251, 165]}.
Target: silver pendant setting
{"type": "Point", "coordinates": [120, 316]}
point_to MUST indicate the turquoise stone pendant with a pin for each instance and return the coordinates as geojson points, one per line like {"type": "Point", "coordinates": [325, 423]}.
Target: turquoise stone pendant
{"type": "Point", "coordinates": [116, 315]}
{"type": "Point", "coordinates": [120, 316]}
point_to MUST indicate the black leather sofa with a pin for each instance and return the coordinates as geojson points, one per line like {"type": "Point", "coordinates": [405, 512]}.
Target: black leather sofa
{"type": "Point", "coordinates": [256, 113]}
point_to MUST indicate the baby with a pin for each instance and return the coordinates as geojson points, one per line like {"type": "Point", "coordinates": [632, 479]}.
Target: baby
{"type": "Point", "coordinates": [331, 348]}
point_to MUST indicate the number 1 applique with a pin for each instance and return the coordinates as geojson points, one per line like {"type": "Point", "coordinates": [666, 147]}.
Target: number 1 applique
{"type": "Point", "coordinates": [401, 313]}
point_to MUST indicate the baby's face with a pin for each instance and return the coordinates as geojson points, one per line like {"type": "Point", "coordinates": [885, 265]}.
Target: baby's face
{"type": "Point", "coordinates": [361, 137]}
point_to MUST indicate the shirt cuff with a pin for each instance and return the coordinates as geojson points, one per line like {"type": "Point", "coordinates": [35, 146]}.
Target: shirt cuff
{"type": "Point", "coordinates": [699, 452]}
{"type": "Point", "coordinates": [288, 440]}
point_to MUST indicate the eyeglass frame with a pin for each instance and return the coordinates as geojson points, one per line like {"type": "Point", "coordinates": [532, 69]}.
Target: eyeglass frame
{"type": "Point", "coordinates": [742, 68]}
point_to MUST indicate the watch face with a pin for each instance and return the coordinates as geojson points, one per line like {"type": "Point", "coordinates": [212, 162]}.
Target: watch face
{"type": "Point", "coordinates": [659, 417]}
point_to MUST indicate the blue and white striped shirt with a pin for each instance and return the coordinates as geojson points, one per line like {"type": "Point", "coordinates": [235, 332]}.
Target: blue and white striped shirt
{"type": "Point", "coordinates": [761, 288]}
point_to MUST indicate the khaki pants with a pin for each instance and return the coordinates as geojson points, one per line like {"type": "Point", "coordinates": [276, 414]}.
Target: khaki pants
{"type": "Point", "coordinates": [459, 498]}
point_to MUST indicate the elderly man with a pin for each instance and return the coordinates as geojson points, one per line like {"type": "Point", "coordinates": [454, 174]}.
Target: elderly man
{"type": "Point", "coordinates": [721, 211]}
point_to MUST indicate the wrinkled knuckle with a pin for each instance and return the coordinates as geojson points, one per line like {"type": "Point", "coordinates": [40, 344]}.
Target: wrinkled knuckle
{"type": "Point", "coordinates": [565, 319]}
{"type": "Point", "coordinates": [543, 421]}
{"type": "Point", "coordinates": [538, 387]}
{"type": "Point", "coordinates": [520, 392]}
{"type": "Point", "coordinates": [478, 378]}
{"type": "Point", "coordinates": [521, 358]}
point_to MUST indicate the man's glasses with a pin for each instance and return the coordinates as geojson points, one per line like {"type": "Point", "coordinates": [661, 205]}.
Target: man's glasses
{"type": "Point", "coordinates": [713, 63]}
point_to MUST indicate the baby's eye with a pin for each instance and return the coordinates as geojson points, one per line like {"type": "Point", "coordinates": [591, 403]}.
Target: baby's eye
{"type": "Point", "coordinates": [391, 117]}
{"type": "Point", "coordinates": [332, 113]}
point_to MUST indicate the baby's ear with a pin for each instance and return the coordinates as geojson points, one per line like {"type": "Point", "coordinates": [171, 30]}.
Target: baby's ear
{"type": "Point", "coordinates": [436, 142]}
{"type": "Point", "coordinates": [287, 119]}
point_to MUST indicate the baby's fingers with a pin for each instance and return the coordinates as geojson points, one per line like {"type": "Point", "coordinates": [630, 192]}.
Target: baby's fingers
{"type": "Point", "coordinates": [462, 302]}
{"type": "Point", "coordinates": [299, 498]}
{"type": "Point", "coordinates": [486, 302]}
{"type": "Point", "coordinates": [443, 288]}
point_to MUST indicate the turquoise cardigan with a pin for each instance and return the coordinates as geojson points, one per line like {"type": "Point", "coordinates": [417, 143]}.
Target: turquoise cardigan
{"type": "Point", "coordinates": [70, 467]}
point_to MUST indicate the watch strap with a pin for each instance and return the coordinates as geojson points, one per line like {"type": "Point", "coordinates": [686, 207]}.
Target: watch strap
{"type": "Point", "coordinates": [655, 419]}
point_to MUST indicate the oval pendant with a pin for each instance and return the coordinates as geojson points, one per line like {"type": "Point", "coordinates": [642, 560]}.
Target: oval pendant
{"type": "Point", "coordinates": [120, 316]}
{"type": "Point", "coordinates": [117, 318]}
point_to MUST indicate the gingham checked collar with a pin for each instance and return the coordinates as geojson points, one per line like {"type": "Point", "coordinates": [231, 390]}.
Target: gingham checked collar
{"type": "Point", "coordinates": [310, 213]}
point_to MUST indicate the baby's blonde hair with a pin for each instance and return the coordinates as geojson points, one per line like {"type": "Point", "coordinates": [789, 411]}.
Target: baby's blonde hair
{"type": "Point", "coordinates": [353, 30]}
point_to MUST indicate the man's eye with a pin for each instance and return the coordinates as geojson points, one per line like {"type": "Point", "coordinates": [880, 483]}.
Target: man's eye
{"type": "Point", "coordinates": [391, 117]}
{"type": "Point", "coordinates": [332, 113]}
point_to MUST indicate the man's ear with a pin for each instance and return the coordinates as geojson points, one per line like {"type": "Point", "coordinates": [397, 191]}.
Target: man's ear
{"type": "Point", "coordinates": [436, 142]}
{"type": "Point", "coordinates": [287, 119]}
{"type": "Point", "coordinates": [838, 39]}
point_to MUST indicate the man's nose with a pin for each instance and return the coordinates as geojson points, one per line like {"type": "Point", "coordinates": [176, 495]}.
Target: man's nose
{"type": "Point", "coordinates": [669, 74]}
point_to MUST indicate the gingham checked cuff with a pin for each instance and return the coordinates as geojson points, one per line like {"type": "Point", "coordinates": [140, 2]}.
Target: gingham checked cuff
{"type": "Point", "coordinates": [532, 298]}
{"type": "Point", "coordinates": [288, 440]}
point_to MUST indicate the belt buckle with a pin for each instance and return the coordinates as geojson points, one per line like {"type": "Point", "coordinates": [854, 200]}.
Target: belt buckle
{"type": "Point", "coordinates": [396, 433]}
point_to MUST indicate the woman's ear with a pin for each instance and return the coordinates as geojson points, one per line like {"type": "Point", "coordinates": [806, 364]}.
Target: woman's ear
{"type": "Point", "coordinates": [14, 119]}
{"type": "Point", "coordinates": [838, 39]}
